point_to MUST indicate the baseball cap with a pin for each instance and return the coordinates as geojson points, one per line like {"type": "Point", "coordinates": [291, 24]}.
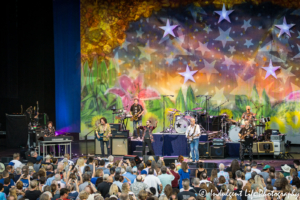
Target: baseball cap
{"type": "Point", "coordinates": [144, 172]}
{"type": "Point", "coordinates": [148, 190]}
{"type": "Point", "coordinates": [134, 169]}
{"type": "Point", "coordinates": [266, 167]}
{"type": "Point", "coordinates": [39, 158]}
{"type": "Point", "coordinates": [11, 163]}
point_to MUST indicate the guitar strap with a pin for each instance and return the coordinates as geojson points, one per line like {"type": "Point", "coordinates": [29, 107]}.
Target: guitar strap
{"type": "Point", "coordinates": [194, 129]}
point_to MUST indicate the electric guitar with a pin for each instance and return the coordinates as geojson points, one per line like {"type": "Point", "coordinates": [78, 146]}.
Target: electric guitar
{"type": "Point", "coordinates": [100, 138]}
{"type": "Point", "coordinates": [192, 136]}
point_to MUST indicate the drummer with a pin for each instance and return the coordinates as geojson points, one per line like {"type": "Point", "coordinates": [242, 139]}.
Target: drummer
{"type": "Point", "coordinates": [248, 116]}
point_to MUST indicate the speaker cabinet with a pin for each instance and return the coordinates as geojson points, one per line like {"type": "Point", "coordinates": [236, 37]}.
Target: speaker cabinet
{"type": "Point", "coordinates": [115, 127]}
{"type": "Point", "coordinates": [119, 146]}
{"type": "Point", "coordinates": [98, 148]}
{"type": "Point", "coordinates": [204, 150]}
{"type": "Point", "coordinates": [254, 148]}
{"type": "Point", "coordinates": [265, 147]}
{"type": "Point", "coordinates": [217, 151]}
{"type": "Point", "coordinates": [170, 159]}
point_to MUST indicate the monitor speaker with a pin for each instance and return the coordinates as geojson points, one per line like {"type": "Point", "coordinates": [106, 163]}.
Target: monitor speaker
{"type": "Point", "coordinates": [203, 149]}
{"type": "Point", "coordinates": [217, 151]}
{"type": "Point", "coordinates": [119, 146]}
{"type": "Point", "coordinates": [98, 148]}
{"type": "Point", "coordinates": [170, 159]}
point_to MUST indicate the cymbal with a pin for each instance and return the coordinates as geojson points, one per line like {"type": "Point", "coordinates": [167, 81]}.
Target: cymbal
{"type": "Point", "coordinates": [198, 108]}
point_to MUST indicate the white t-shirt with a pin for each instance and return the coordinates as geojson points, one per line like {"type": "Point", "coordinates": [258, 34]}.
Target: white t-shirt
{"type": "Point", "coordinates": [70, 162]}
{"type": "Point", "coordinates": [255, 170]}
{"type": "Point", "coordinates": [147, 170]}
{"type": "Point", "coordinates": [17, 163]}
{"type": "Point", "coordinates": [190, 131]}
{"type": "Point", "coordinates": [152, 181]}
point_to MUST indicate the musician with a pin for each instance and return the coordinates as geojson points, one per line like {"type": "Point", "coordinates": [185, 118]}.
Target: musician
{"type": "Point", "coordinates": [248, 116]}
{"type": "Point", "coordinates": [50, 132]}
{"type": "Point", "coordinates": [147, 136]}
{"type": "Point", "coordinates": [246, 134]}
{"type": "Point", "coordinates": [136, 108]}
{"type": "Point", "coordinates": [103, 132]}
{"type": "Point", "coordinates": [193, 133]}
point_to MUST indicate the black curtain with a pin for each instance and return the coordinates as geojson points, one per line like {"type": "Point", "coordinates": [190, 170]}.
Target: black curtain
{"type": "Point", "coordinates": [16, 131]}
{"type": "Point", "coordinates": [27, 58]}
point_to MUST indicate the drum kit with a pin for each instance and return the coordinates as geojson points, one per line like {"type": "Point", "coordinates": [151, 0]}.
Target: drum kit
{"type": "Point", "coordinates": [179, 121]}
{"type": "Point", "coordinates": [234, 127]}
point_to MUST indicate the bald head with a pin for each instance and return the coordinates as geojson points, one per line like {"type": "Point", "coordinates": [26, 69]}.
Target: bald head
{"type": "Point", "coordinates": [109, 179]}
{"type": "Point", "coordinates": [139, 178]}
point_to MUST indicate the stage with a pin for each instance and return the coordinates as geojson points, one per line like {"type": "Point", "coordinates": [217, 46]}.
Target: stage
{"type": "Point", "coordinates": [166, 144]}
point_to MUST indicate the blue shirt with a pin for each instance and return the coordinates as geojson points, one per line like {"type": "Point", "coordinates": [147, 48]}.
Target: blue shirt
{"type": "Point", "coordinates": [248, 176]}
{"type": "Point", "coordinates": [94, 180]}
{"type": "Point", "coordinates": [49, 181]}
{"type": "Point", "coordinates": [225, 174]}
{"type": "Point", "coordinates": [2, 196]}
{"type": "Point", "coordinates": [25, 183]}
{"type": "Point", "coordinates": [130, 176]}
{"type": "Point", "coordinates": [105, 170]}
{"type": "Point", "coordinates": [11, 182]}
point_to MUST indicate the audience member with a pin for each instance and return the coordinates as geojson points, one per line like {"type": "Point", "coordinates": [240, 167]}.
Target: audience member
{"type": "Point", "coordinates": [223, 173]}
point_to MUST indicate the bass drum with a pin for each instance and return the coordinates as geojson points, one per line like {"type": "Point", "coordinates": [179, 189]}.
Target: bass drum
{"type": "Point", "coordinates": [181, 125]}
{"type": "Point", "coordinates": [234, 134]}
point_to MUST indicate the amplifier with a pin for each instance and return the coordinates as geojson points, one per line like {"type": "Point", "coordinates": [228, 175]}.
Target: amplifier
{"type": "Point", "coordinates": [120, 134]}
{"type": "Point", "coordinates": [278, 147]}
{"type": "Point", "coordinates": [217, 151]}
{"type": "Point", "coordinates": [119, 146]}
{"type": "Point", "coordinates": [265, 147]}
{"type": "Point", "coordinates": [115, 127]}
{"type": "Point", "coordinates": [204, 150]}
{"type": "Point", "coordinates": [280, 137]}
{"type": "Point", "coordinates": [218, 143]}
{"type": "Point", "coordinates": [218, 140]}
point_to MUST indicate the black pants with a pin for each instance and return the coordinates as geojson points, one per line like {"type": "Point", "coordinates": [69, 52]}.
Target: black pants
{"type": "Point", "coordinates": [243, 147]}
{"type": "Point", "coordinates": [102, 147]}
{"type": "Point", "coordinates": [148, 142]}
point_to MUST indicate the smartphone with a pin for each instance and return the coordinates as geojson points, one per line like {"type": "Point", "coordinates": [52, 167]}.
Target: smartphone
{"type": "Point", "coordinates": [58, 185]}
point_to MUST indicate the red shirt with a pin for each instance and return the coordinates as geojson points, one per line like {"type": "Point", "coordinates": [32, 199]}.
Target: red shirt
{"type": "Point", "coordinates": [175, 181]}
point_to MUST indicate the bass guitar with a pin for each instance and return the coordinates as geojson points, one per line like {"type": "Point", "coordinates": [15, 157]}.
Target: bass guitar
{"type": "Point", "coordinates": [135, 117]}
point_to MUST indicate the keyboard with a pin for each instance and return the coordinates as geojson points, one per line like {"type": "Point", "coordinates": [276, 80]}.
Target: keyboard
{"type": "Point", "coordinates": [58, 138]}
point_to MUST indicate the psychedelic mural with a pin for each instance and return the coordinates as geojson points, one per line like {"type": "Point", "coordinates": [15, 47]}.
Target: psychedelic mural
{"type": "Point", "coordinates": [238, 53]}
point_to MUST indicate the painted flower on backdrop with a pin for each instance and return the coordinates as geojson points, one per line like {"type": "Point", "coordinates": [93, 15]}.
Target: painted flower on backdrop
{"type": "Point", "coordinates": [131, 88]}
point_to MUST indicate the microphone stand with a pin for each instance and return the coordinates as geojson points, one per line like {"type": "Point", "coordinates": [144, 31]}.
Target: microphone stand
{"type": "Point", "coordinates": [164, 112]}
{"type": "Point", "coordinates": [86, 148]}
{"type": "Point", "coordinates": [207, 97]}
{"type": "Point", "coordinates": [218, 107]}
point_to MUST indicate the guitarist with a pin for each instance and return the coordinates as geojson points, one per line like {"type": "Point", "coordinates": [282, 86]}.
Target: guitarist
{"type": "Point", "coordinates": [147, 137]}
{"type": "Point", "coordinates": [103, 132]}
{"type": "Point", "coordinates": [246, 134]}
{"type": "Point", "coordinates": [193, 133]}
{"type": "Point", "coordinates": [136, 110]}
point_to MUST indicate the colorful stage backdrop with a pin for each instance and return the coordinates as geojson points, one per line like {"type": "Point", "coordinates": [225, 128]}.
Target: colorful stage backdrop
{"type": "Point", "coordinates": [141, 48]}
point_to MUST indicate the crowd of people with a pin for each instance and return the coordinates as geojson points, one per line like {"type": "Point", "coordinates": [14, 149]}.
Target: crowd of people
{"type": "Point", "coordinates": [96, 179]}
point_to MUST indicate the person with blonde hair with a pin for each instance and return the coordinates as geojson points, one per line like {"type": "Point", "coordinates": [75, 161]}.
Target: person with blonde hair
{"type": "Point", "coordinates": [13, 193]}
{"type": "Point", "coordinates": [46, 196]}
{"type": "Point", "coordinates": [259, 182]}
{"type": "Point", "coordinates": [113, 190]}
{"type": "Point", "coordinates": [83, 195]}
{"type": "Point", "coordinates": [81, 164]}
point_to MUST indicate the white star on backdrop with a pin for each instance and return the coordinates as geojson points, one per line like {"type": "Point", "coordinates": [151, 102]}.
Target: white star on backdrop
{"type": "Point", "coordinates": [246, 24]}
{"type": "Point", "coordinates": [209, 68]}
{"type": "Point", "coordinates": [285, 74]}
{"type": "Point", "coordinates": [284, 28]}
{"type": "Point", "coordinates": [251, 62]}
{"type": "Point", "coordinates": [271, 70]}
{"type": "Point", "coordinates": [146, 51]}
{"type": "Point", "coordinates": [203, 48]}
{"type": "Point", "coordinates": [168, 29]}
{"type": "Point", "coordinates": [224, 14]}
{"type": "Point", "coordinates": [228, 61]}
{"type": "Point", "coordinates": [248, 43]}
{"type": "Point", "coordinates": [231, 49]}
{"type": "Point", "coordinates": [207, 28]}
{"type": "Point", "coordinates": [139, 33]}
{"type": "Point", "coordinates": [224, 36]}
{"type": "Point", "coordinates": [188, 75]}
{"type": "Point", "coordinates": [125, 45]}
